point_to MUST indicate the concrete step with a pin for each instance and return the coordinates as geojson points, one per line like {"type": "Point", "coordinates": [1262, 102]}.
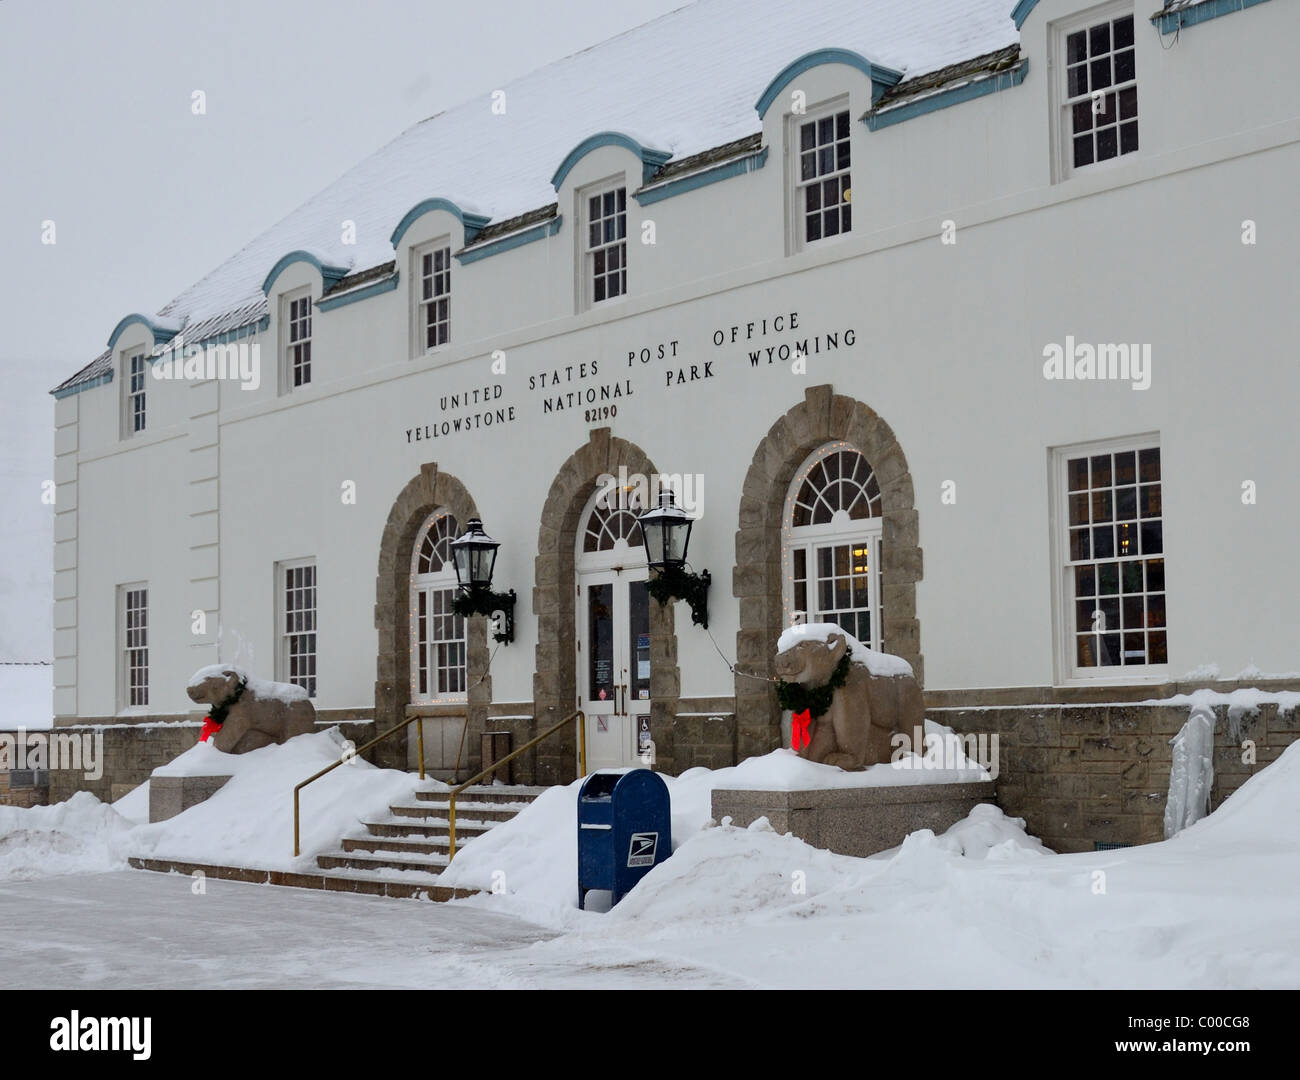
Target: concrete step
{"type": "Point", "coordinates": [431, 864]}
{"type": "Point", "coordinates": [435, 812]}
{"type": "Point", "coordinates": [502, 793]}
{"type": "Point", "coordinates": [403, 884]}
{"type": "Point", "coordinates": [427, 845]}
{"type": "Point", "coordinates": [431, 828]}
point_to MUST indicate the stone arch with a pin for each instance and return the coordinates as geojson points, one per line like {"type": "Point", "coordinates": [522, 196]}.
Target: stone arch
{"type": "Point", "coordinates": [823, 416]}
{"type": "Point", "coordinates": [555, 677]}
{"type": "Point", "coordinates": [424, 494]}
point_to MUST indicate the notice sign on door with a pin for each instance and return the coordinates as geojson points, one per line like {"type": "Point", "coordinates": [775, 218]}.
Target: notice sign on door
{"type": "Point", "coordinates": [641, 852]}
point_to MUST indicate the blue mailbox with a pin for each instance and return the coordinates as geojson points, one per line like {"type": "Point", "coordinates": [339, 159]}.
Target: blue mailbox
{"type": "Point", "coordinates": [624, 830]}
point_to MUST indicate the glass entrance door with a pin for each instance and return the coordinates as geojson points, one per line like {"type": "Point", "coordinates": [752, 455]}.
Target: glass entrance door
{"type": "Point", "coordinates": [614, 665]}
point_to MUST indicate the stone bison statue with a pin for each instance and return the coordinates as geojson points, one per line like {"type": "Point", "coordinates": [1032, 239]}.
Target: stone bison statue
{"type": "Point", "coordinates": [252, 713]}
{"type": "Point", "coordinates": [871, 695]}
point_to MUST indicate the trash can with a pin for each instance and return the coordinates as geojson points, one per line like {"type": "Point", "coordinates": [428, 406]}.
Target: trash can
{"type": "Point", "coordinates": [624, 830]}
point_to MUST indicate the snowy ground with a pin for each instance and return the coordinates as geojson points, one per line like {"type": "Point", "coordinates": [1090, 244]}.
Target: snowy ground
{"type": "Point", "coordinates": [140, 930]}
{"type": "Point", "coordinates": [983, 905]}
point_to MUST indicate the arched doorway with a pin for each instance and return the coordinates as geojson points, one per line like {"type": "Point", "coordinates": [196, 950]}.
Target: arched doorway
{"type": "Point", "coordinates": [555, 679]}
{"type": "Point", "coordinates": [764, 575]}
{"type": "Point", "coordinates": [613, 639]}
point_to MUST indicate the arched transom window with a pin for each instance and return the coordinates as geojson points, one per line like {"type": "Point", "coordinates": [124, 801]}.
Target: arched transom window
{"type": "Point", "coordinates": [606, 527]}
{"type": "Point", "coordinates": [437, 632]}
{"type": "Point", "coordinates": [831, 543]}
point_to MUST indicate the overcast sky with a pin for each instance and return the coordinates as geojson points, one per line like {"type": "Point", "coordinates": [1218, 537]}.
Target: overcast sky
{"type": "Point", "coordinates": [97, 135]}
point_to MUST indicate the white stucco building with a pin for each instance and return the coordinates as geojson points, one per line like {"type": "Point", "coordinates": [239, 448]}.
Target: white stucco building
{"type": "Point", "coordinates": [819, 258]}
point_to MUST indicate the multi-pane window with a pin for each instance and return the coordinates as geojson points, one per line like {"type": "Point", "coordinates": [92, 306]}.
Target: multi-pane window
{"type": "Point", "coordinates": [298, 359]}
{"type": "Point", "coordinates": [136, 369]}
{"type": "Point", "coordinates": [607, 243]}
{"type": "Point", "coordinates": [1115, 566]}
{"type": "Point", "coordinates": [833, 544]}
{"type": "Point", "coordinates": [822, 189]}
{"type": "Point", "coordinates": [434, 319]}
{"type": "Point", "coordinates": [437, 632]}
{"type": "Point", "coordinates": [135, 645]}
{"type": "Point", "coordinates": [1101, 110]}
{"type": "Point", "coordinates": [298, 625]}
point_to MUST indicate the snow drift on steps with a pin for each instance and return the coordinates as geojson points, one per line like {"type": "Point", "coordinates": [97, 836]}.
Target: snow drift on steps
{"type": "Point", "coordinates": [249, 822]}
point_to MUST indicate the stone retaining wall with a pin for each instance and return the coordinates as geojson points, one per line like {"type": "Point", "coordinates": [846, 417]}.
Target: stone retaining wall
{"type": "Point", "coordinates": [1081, 775]}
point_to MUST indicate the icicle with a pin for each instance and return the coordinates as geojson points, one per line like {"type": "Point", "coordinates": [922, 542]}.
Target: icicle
{"type": "Point", "coordinates": [1191, 774]}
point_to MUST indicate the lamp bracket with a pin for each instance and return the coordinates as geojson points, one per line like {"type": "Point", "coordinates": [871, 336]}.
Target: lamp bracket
{"type": "Point", "coordinates": [670, 583]}
{"type": "Point", "coordinates": [480, 600]}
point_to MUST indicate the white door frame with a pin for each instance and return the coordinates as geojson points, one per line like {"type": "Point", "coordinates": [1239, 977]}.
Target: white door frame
{"type": "Point", "coordinates": [620, 567]}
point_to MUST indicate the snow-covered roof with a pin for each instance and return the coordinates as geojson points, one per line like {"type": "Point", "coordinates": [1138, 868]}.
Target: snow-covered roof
{"type": "Point", "coordinates": [684, 83]}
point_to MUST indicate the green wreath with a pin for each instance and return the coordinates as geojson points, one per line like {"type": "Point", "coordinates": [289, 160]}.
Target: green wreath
{"type": "Point", "coordinates": [816, 701]}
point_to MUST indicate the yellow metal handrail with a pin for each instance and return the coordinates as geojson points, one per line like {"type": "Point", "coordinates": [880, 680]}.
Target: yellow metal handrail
{"type": "Point", "coordinates": [582, 767]}
{"type": "Point", "coordinates": [297, 848]}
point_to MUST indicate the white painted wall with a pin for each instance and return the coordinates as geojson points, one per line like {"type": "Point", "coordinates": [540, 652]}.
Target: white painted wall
{"type": "Point", "coordinates": [949, 346]}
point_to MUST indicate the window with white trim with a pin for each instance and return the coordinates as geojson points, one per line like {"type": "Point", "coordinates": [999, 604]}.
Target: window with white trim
{"type": "Point", "coordinates": [297, 348]}
{"type": "Point", "coordinates": [133, 645]}
{"type": "Point", "coordinates": [296, 653]}
{"type": "Point", "coordinates": [605, 236]}
{"type": "Point", "coordinates": [433, 301]}
{"type": "Point", "coordinates": [438, 642]}
{"type": "Point", "coordinates": [1099, 109]}
{"type": "Point", "coordinates": [1113, 569]}
{"type": "Point", "coordinates": [831, 544]}
{"type": "Point", "coordinates": [822, 183]}
{"type": "Point", "coordinates": [135, 367]}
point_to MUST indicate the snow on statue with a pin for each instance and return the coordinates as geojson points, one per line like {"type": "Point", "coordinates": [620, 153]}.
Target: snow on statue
{"type": "Point", "coordinates": [847, 700]}
{"type": "Point", "coordinates": [246, 713]}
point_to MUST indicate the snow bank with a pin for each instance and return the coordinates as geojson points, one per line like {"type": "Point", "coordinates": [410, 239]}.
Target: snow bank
{"type": "Point", "coordinates": [80, 836]}
{"type": "Point", "coordinates": [537, 851]}
{"type": "Point", "coordinates": [877, 663]}
{"type": "Point", "coordinates": [1262, 814]}
{"type": "Point", "coordinates": [987, 833]}
{"type": "Point", "coordinates": [249, 822]}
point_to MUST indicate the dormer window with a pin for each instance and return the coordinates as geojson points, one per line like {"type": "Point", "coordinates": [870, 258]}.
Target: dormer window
{"type": "Point", "coordinates": [606, 242]}
{"type": "Point", "coordinates": [297, 353]}
{"type": "Point", "coordinates": [822, 185]}
{"type": "Point", "coordinates": [134, 367]}
{"type": "Point", "coordinates": [1099, 112]}
{"type": "Point", "coordinates": [433, 303]}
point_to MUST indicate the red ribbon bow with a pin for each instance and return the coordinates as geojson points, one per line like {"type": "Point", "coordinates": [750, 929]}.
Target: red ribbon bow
{"type": "Point", "coordinates": [209, 728]}
{"type": "Point", "coordinates": [799, 736]}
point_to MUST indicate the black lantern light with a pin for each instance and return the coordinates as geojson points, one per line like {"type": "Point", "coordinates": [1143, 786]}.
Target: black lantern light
{"type": "Point", "coordinates": [666, 532]}
{"type": "Point", "coordinates": [474, 555]}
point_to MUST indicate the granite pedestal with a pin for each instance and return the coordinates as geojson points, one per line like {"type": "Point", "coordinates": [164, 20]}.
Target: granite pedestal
{"type": "Point", "coordinates": [857, 821]}
{"type": "Point", "coordinates": [169, 795]}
